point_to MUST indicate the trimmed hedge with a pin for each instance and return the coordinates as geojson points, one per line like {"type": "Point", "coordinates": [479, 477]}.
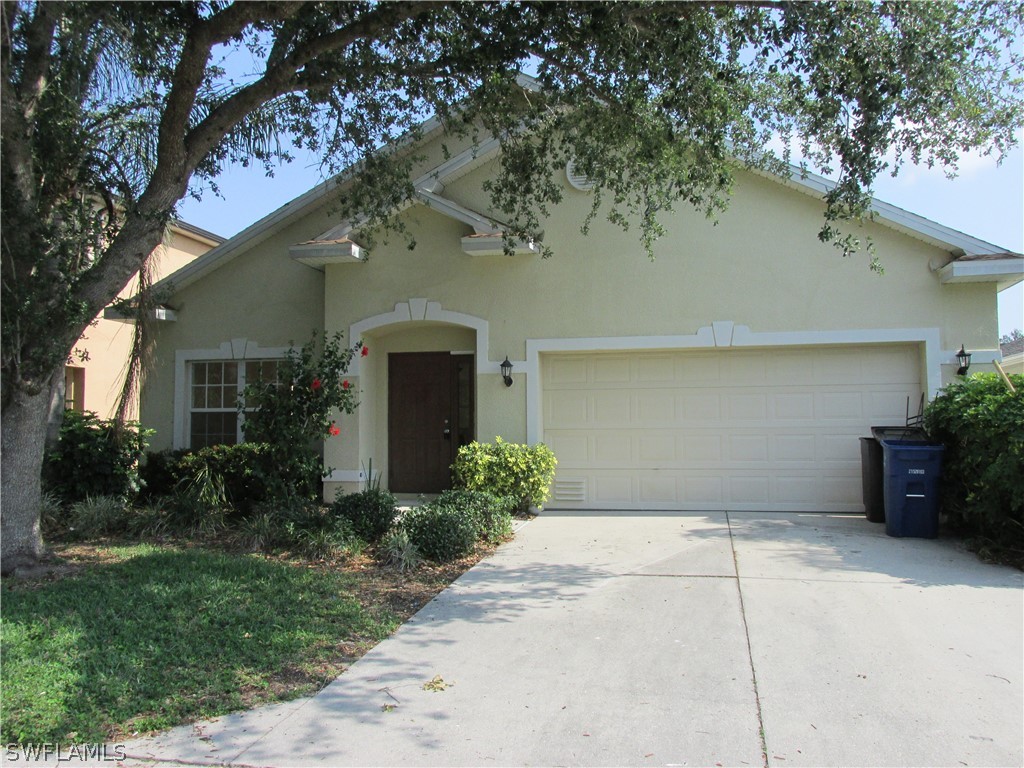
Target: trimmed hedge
{"type": "Point", "coordinates": [523, 472]}
{"type": "Point", "coordinates": [441, 532]}
{"type": "Point", "coordinates": [371, 513]}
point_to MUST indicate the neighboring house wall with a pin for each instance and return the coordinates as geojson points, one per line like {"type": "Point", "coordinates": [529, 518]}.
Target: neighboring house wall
{"type": "Point", "coordinates": [735, 370]}
{"type": "Point", "coordinates": [95, 383]}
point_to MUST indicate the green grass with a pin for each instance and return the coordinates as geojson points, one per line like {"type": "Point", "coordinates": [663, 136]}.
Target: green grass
{"type": "Point", "coordinates": [163, 636]}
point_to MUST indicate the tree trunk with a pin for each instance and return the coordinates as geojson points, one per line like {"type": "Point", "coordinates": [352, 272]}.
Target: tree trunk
{"type": "Point", "coordinates": [22, 446]}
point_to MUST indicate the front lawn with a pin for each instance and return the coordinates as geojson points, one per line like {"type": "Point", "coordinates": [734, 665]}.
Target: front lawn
{"type": "Point", "coordinates": [127, 638]}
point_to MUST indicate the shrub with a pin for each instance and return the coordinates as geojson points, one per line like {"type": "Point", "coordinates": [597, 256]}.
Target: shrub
{"type": "Point", "coordinates": [259, 531]}
{"type": "Point", "coordinates": [523, 472]}
{"type": "Point", "coordinates": [441, 532]}
{"type": "Point", "coordinates": [398, 552]}
{"type": "Point", "coordinates": [95, 457]}
{"type": "Point", "coordinates": [159, 473]}
{"type": "Point", "coordinates": [52, 516]}
{"type": "Point", "coordinates": [234, 476]}
{"type": "Point", "coordinates": [493, 514]}
{"type": "Point", "coordinates": [371, 512]}
{"type": "Point", "coordinates": [297, 410]}
{"type": "Point", "coordinates": [98, 516]}
{"type": "Point", "coordinates": [329, 543]}
{"type": "Point", "coordinates": [981, 424]}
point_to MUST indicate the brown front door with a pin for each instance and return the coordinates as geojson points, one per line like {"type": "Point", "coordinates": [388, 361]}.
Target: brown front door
{"type": "Point", "coordinates": [430, 414]}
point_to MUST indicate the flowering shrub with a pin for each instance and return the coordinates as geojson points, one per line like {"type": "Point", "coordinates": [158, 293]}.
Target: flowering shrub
{"type": "Point", "coordinates": [294, 413]}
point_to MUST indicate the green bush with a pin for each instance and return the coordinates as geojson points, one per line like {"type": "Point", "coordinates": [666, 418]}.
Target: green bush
{"type": "Point", "coordinates": [298, 524]}
{"type": "Point", "coordinates": [493, 514]}
{"type": "Point", "coordinates": [398, 552]}
{"type": "Point", "coordinates": [159, 473]}
{"type": "Point", "coordinates": [981, 424]}
{"type": "Point", "coordinates": [523, 472]}
{"type": "Point", "coordinates": [441, 532]}
{"type": "Point", "coordinates": [98, 516]}
{"type": "Point", "coordinates": [95, 457]}
{"type": "Point", "coordinates": [291, 414]}
{"type": "Point", "coordinates": [235, 476]}
{"type": "Point", "coordinates": [371, 512]}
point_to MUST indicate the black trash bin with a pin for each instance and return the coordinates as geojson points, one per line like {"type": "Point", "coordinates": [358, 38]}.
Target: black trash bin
{"type": "Point", "coordinates": [872, 469]}
{"type": "Point", "coordinates": [911, 488]}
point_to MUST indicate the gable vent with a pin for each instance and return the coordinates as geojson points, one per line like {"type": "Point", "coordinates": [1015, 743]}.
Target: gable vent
{"type": "Point", "coordinates": [577, 179]}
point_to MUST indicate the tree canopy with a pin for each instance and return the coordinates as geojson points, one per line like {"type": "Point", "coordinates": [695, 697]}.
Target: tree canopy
{"type": "Point", "coordinates": [112, 112]}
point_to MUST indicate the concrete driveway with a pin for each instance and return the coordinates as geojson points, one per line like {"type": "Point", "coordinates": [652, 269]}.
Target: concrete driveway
{"type": "Point", "coordinates": [679, 639]}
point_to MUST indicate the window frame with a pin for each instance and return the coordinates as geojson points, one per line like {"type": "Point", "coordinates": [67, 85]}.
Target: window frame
{"type": "Point", "coordinates": [239, 351]}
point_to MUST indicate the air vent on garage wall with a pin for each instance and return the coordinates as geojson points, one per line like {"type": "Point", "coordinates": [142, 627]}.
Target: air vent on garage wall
{"type": "Point", "coordinates": [570, 489]}
{"type": "Point", "coordinates": [577, 179]}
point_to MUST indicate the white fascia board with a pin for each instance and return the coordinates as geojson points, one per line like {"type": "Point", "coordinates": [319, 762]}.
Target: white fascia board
{"type": "Point", "coordinates": [247, 238]}
{"type": "Point", "coordinates": [160, 314]}
{"type": "Point", "coordinates": [494, 245]}
{"type": "Point", "coordinates": [909, 223]}
{"type": "Point", "coordinates": [318, 254]}
{"type": "Point", "coordinates": [480, 224]}
{"type": "Point", "coordinates": [276, 220]}
{"type": "Point", "coordinates": [433, 181]}
{"type": "Point", "coordinates": [1006, 272]}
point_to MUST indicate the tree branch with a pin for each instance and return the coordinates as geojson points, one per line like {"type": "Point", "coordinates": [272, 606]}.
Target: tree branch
{"type": "Point", "coordinates": [282, 78]}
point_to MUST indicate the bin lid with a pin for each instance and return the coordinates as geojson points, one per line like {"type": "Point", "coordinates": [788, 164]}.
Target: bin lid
{"type": "Point", "coordinates": [903, 434]}
{"type": "Point", "coordinates": [912, 445]}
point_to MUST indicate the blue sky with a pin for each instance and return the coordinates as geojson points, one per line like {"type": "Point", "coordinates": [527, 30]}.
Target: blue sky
{"type": "Point", "coordinates": [985, 200]}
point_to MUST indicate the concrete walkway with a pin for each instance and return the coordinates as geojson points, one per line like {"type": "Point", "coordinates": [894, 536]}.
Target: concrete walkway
{"type": "Point", "coordinates": [680, 639]}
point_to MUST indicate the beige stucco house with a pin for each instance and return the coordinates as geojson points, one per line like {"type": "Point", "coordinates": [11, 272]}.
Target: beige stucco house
{"type": "Point", "coordinates": [735, 371]}
{"type": "Point", "coordinates": [95, 376]}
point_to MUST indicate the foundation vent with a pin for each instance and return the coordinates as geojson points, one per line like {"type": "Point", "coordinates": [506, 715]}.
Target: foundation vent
{"type": "Point", "coordinates": [570, 489]}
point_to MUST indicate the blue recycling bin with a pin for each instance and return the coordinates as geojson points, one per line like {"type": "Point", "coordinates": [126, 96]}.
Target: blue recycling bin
{"type": "Point", "coordinates": [911, 488]}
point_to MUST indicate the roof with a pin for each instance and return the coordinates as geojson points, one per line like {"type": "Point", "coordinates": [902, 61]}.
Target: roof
{"type": "Point", "coordinates": [202, 234]}
{"type": "Point", "coordinates": [1012, 348]}
{"type": "Point", "coordinates": [1001, 266]}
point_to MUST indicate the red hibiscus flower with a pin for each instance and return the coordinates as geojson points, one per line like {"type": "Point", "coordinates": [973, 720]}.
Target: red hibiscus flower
{"type": "Point", "coordinates": [316, 384]}
{"type": "Point", "coordinates": [345, 384]}
{"type": "Point", "coordinates": [365, 351]}
{"type": "Point", "coordinates": [333, 430]}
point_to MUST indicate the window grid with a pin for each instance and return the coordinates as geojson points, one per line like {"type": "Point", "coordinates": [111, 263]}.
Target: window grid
{"type": "Point", "coordinates": [215, 390]}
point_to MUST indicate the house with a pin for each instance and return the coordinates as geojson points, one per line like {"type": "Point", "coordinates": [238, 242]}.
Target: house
{"type": "Point", "coordinates": [736, 370]}
{"type": "Point", "coordinates": [94, 377]}
{"type": "Point", "coordinates": [1013, 356]}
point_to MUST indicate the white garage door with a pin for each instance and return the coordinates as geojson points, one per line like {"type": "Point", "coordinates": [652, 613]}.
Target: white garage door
{"type": "Point", "coordinates": [742, 429]}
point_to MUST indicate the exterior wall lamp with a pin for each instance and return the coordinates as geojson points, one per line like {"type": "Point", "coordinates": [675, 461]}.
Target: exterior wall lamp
{"type": "Point", "coordinates": [964, 358]}
{"type": "Point", "coordinates": [506, 372]}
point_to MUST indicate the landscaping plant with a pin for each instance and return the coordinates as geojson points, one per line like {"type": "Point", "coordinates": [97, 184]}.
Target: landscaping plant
{"type": "Point", "coordinates": [492, 514]}
{"type": "Point", "coordinates": [441, 532]}
{"type": "Point", "coordinates": [371, 513]}
{"type": "Point", "coordinates": [981, 424]}
{"type": "Point", "coordinates": [397, 551]}
{"type": "Point", "coordinates": [297, 411]}
{"type": "Point", "coordinates": [523, 472]}
{"type": "Point", "coordinates": [95, 457]}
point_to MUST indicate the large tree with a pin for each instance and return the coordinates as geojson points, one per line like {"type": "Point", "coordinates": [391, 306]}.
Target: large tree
{"type": "Point", "coordinates": [112, 112]}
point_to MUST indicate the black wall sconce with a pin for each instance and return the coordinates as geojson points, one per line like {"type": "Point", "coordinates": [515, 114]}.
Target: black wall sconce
{"type": "Point", "coordinates": [506, 372]}
{"type": "Point", "coordinates": [964, 358]}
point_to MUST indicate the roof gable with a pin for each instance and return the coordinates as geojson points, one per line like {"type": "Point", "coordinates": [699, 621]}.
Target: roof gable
{"type": "Point", "coordinates": [974, 259]}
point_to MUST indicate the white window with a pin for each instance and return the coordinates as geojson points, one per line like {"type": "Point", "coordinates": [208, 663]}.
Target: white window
{"type": "Point", "coordinates": [215, 390]}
